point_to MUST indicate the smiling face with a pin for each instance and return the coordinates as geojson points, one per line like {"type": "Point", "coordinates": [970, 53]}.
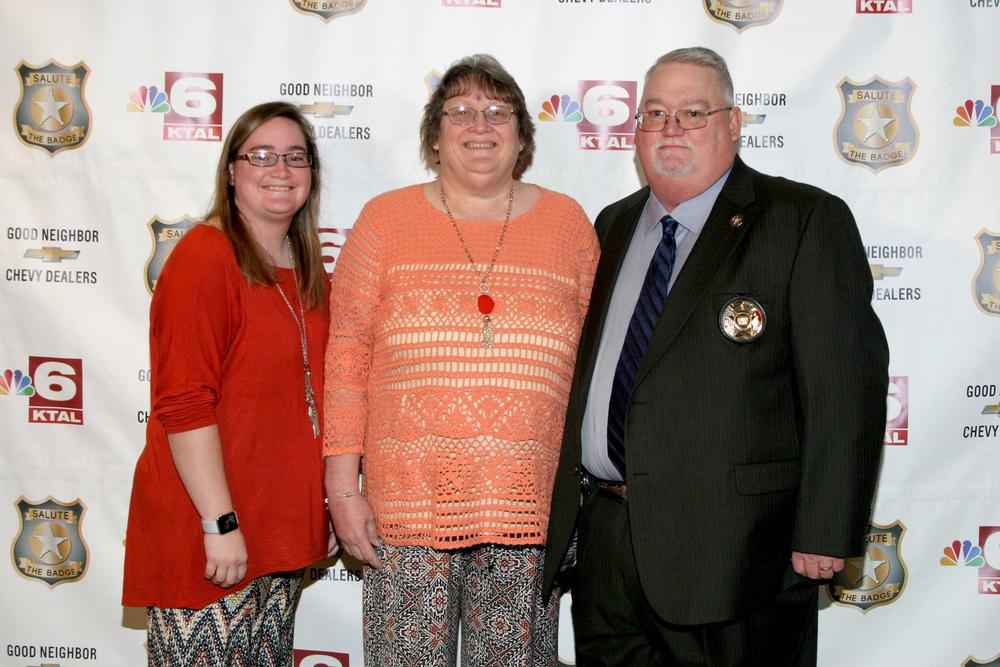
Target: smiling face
{"type": "Point", "coordinates": [271, 195]}
{"type": "Point", "coordinates": [681, 164]}
{"type": "Point", "coordinates": [479, 153]}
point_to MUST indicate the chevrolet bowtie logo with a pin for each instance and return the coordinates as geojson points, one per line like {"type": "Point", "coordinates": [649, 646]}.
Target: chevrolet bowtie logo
{"type": "Point", "coordinates": [992, 410]}
{"type": "Point", "coordinates": [51, 254]}
{"type": "Point", "coordinates": [326, 109]}
{"type": "Point", "coordinates": [879, 271]}
{"type": "Point", "coordinates": [753, 118]}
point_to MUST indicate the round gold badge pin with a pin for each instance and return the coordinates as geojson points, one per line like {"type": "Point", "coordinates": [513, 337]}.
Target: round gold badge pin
{"type": "Point", "coordinates": [741, 319]}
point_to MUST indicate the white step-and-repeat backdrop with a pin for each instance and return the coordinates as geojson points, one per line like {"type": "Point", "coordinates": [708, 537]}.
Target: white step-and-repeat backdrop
{"type": "Point", "coordinates": [115, 110]}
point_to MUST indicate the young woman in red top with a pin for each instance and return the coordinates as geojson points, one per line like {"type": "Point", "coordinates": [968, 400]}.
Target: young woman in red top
{"type": "Point", "coordinates": [227, 500]}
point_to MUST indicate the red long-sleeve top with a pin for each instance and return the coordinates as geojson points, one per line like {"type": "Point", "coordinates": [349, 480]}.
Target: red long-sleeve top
{"type": "Point", "coordinates": [226, 352]}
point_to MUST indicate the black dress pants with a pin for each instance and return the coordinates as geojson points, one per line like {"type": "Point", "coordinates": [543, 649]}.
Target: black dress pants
{"type": "Point", "coordinates": [615, 626]}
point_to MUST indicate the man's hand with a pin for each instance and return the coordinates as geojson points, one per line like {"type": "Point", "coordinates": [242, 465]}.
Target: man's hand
{"type": "Point", "coordinates": [816, 566]}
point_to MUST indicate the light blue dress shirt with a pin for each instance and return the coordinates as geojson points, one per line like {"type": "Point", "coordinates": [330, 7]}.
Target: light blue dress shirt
{"type": "Point", "coordinates": [691, 217]}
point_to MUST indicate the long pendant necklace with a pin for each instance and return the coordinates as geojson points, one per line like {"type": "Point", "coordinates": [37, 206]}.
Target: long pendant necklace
{"type": "Point", "coordinates": [300, 323]}
{"type": "Point", "coordinates": [485, 301]}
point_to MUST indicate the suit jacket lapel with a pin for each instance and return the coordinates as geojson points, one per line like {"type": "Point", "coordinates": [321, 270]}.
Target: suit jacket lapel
{"type": "Point", "coordinates": [717, 241]}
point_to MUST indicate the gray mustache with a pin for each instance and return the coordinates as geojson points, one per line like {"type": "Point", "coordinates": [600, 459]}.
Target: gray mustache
{"type": "Point", "coordinates": [663, 143]}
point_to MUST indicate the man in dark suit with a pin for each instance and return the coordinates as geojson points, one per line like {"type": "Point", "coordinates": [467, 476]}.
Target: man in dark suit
{"type": "Point", "coordinates": [728, 408]}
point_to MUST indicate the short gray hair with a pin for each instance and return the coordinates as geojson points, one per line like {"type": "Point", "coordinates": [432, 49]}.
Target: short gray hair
{"type": "Point", "coordinates": [699, 55]}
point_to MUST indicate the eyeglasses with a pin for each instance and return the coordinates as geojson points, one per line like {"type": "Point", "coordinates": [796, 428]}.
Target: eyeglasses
{"type": "Point", "coordinates": [463, 115]}
{"type": "Point", "coordinates": [687, 119]}
{"type": "Point", "coordinates": [263, 158]}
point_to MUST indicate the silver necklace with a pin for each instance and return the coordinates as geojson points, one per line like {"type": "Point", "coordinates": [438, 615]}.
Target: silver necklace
{"type": "Point", "coordinates": [300, 323]}
{"type": "Point", "coordinates": [485, 301]}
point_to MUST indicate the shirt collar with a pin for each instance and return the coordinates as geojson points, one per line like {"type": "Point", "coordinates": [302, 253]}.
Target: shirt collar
{"type": "Point", "coordinates": [691, 214]}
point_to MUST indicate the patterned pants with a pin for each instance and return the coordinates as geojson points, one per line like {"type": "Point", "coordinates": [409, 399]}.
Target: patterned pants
{"type": "Point", "coordinates": [252, 627]}
{"type": "Point", "coordinates": [414, 606]}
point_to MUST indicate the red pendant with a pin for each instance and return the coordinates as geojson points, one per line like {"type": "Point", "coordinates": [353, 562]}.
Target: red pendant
{"type": "Point", "coordinates": [486, 304]}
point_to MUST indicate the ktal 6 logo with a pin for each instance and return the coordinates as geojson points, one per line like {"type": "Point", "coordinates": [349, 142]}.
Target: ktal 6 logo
{"type": "Point", "coordinates": [53, 387]}
{"type": "Point", "coordinates": [608, 115]}
{"type": "Point", "coordinates": [195, 107]}
{"type": "Point", "coordinates": [897, 417]}
{"type": "Point", "coordinates": [989, 572]}
{"type": "Point", "coordinates": [604, 113]}
{"type": "Point", "coordinates": [304, 658]}
{"type": "Point", "coordinates": [190, 101]}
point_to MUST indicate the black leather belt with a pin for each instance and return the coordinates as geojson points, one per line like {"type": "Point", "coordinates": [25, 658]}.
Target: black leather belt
{"type": "Point", "coordinates": [590, 485]}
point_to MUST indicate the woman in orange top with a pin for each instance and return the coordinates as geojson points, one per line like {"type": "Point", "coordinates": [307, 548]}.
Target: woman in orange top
{"type": "Point", "coordinates": [456, 307]}
{"type": "Point", "coordinates": [227, 500]}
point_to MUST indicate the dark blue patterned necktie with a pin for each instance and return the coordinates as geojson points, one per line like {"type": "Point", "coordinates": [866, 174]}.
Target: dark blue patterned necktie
{"type": "Point", "coordinates": [640, 328]}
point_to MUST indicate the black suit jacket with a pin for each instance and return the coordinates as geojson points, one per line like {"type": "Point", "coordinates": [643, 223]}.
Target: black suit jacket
{"type": "Point", "coordinates": [739, 453]}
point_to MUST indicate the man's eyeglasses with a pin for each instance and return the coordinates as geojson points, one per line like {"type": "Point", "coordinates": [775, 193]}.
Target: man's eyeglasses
{"type": "Point", "coordinates": [463, 115]}
{"type": "Point", "coordinates": [687, 119]}
{"type": "Point", "coordinates": [263, 158]}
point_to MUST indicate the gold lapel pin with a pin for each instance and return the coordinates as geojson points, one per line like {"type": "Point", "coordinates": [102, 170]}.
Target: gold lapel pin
{"type": "Point", "coordinates": [736, 221]}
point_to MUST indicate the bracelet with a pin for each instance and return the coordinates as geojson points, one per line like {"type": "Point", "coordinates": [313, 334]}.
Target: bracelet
{"type": "Point", "coordinates": [345, 494]}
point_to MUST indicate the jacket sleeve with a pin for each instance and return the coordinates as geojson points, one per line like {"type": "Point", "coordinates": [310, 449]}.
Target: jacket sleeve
{"type": "Point", "coordinates": [841, 368]}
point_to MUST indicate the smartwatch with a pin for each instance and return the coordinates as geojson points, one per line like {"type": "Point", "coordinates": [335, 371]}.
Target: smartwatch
{"type": "Point", "coordinates": [226, 523]}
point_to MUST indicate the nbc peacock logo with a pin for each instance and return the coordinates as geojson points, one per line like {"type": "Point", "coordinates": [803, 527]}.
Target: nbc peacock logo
{"type": "Point", "coordinates": [148, 99]}
{"type": "Point", "coordinates": [962, 553]}
{"type": "Point", "coordinates": [561, 108]}
{"type": "Point", "coordinates": [16, 383]}
{"type": "Point", "coordinates": [978, 113]}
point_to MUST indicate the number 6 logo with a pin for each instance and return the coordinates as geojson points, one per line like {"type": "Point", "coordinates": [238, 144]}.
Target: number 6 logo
{"type": "Point", "coordinates": [608, 115]}
{"type": "Point", "coordinates": [54, 381]}
{"type": "Point", "coordinates": [194, 97]}
{"type": "Point", "coordinates": [603, 106]}
{"type": "Point", "coordinates": [58, 390]}
{"type": "Point", "coordinates": [195, 106]}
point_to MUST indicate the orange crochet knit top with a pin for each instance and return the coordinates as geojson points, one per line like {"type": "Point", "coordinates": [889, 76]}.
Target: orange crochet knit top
{"type": "Point", "coordinates": [459, 441]}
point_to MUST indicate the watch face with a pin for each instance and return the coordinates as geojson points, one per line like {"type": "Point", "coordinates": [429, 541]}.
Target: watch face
{"type": "Point", "coordinates": [228, 523]}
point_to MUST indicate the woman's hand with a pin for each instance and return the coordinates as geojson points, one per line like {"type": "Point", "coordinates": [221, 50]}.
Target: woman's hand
{"type": "Point", "coordinates": [226, 558]}
{"type": "Point", "coordinates": [332, 546]}
{"type": "Point", "coordinates": [354, 525]}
